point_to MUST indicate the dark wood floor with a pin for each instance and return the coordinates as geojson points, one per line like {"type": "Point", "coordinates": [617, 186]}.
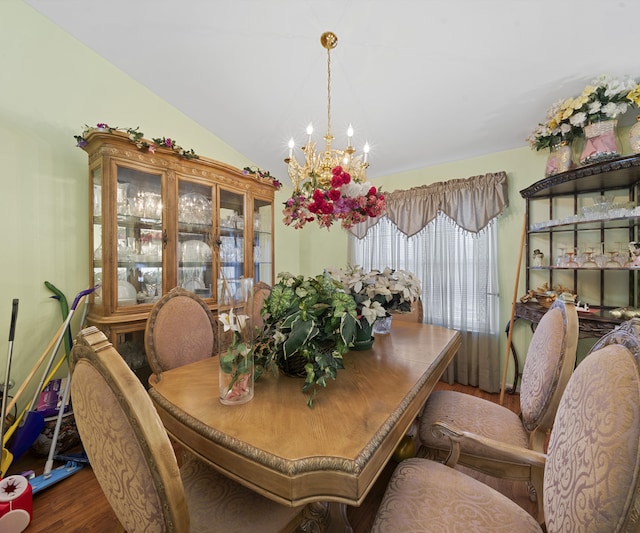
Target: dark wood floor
{"type": "Point", "coordinates": [76, 504]}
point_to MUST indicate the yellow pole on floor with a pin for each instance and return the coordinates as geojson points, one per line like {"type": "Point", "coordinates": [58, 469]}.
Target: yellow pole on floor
{"type": "Point", "coordinates": [513, 312]}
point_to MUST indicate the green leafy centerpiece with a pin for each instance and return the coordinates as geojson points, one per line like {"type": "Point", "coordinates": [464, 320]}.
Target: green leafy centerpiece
{"type": "Point", "coordinates": [309, 324]}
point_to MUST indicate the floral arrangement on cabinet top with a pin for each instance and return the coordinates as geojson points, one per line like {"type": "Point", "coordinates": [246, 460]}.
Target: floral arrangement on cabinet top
{"type": "Point", "coordinates": [590, 116]}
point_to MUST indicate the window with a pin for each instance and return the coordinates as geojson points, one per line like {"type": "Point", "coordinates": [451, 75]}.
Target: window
{"type": "Point", "coordinates": [459, 275]}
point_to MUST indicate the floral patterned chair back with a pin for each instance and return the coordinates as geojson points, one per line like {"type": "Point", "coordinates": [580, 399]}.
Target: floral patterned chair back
{"type": "Point", "coordinates": [592, 473]}
{"type": "Point", "coordinates": [591, 469]}
{"type": "Point", "coordinates": [129, 451]}
{"type": "Point", "coordinates": [180, 330]}
{"type": "Point", "coordinates": [551, 358]}
{"type": "Point", "coordinates": [136, 466]}
{"type": "Point", "coordinates": [627, 334]}
{"type": "Point", "coordinates": [550, 361]}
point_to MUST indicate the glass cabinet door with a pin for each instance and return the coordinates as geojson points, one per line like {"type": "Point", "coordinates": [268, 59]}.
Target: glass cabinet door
{"type": "Point", "coordinates": [136, 219]}
{"type": "Point", "coordinates": [96, 236]}
{"type": "Point", "coordinates": [139, 236]}
{"type": "Point", "coordinates": [263, 241]}
{"type": "Point", "coordinates": [232, 234]}
{"type": "Point", "coordinates": [195, 213]}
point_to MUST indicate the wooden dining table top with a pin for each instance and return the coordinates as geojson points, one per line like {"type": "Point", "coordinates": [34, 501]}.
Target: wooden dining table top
{"type": "Point", "coordinates": [334, 451]}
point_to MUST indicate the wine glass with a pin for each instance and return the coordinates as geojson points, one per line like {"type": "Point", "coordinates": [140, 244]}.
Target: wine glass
{"type": "Point", "coordinates": [589, 261]}
{"type": "Point", "coordinates": [572, 263]}
{"type": "Point", "coordinates": [561, 261]}
{"type": "Point", "coordinates": [613, 262]}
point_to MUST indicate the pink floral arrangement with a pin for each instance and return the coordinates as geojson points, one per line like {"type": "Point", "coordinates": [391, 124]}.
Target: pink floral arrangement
{"type": "Point", "coordinates": [345, 200]}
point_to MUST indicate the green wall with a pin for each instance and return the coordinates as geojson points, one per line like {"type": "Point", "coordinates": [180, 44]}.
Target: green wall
{"type": "Point", "coordinates": [52, 86]}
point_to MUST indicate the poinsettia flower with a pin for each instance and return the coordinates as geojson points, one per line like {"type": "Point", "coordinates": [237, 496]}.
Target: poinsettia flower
{"type": "Point", "coordinates": [372, 311]}
{"type": "Point", "coordinates": [392, 290]}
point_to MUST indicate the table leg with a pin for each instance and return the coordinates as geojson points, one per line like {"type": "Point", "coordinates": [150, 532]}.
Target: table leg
{"type": "Point", "coordinates": [338, 521]}
{"type": "Point", "coordinates": [325, 517]}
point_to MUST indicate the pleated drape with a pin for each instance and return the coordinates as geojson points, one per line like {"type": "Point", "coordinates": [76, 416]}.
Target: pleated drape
{"type": "Point", "coordinates": [471, 203]}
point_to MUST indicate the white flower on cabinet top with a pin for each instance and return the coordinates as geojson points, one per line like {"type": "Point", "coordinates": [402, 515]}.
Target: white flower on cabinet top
{"type": "Point", "coordinates": [604, 98]}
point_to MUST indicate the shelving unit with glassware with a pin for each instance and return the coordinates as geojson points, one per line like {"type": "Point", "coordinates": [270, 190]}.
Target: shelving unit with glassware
{"type": "Point", "coordinates": [582, 221]}
{"type": "Point", "coordinates": [159, 220]}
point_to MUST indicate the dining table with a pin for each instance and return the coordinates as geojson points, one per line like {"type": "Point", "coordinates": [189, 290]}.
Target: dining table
{"type": "Point", "coordinates": [327, 456]}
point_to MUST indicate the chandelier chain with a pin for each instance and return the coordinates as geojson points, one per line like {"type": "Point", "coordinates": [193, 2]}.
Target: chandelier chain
{"type": "Point", "coordinates": [328, 92]}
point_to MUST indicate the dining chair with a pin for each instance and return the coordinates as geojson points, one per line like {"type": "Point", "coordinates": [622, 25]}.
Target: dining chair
{"type": "Point", "coordinates": [591, 469]}
{"type": "Point", "coordinates": [550, 361]}
{"type": "Point", "coordinates": [415, 315]}
{"type": "Point", "coordinates": [260, 292]}
{"type": "Point", "coordinates": [627, 334]}
{"type": "Point", "coordinates": [135, 464]}
{"type": "Point", "coordinates": [180, 329]}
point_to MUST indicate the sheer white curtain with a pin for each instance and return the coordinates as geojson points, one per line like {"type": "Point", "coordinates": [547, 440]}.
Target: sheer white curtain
{"type": "Point", "coordinates": [459, 275]}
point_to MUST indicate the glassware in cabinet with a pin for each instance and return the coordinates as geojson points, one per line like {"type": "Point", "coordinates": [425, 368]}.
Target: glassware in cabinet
{"type": "Point", "coordinates": [231, 210]}
{"type": "Point", "coordinates": [263, 241]}
{"type": "Point", "coordinates": [582, 221]}
{"type": "Point", "coordinates": [139, 236]}
{"type": "Point", "coordinates": [195, 230]}
{"type": "Point", "coordinates": [157, 220]}
{"type": "Point", "coordinates": [95, 236]}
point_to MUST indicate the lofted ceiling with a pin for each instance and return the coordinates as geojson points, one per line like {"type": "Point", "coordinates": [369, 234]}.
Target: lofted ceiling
{"type": "Point", "coordinates": [423, 81]}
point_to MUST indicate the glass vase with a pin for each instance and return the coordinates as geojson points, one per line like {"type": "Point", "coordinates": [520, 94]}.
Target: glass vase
{"type": "Point", "coordinates": [382, 325]}
{"type": "Point", "coordinates": [634, 136]}
{"type": "Point", "coordinates": [559, 159]}
{"type": "Point", "coordinates": [235, 340]}
{"type": "Point", "coordinates": [601, 142]}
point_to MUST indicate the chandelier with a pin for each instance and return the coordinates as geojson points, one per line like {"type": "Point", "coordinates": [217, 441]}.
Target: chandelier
{"type": "Point", "coordinates": [332, 184]}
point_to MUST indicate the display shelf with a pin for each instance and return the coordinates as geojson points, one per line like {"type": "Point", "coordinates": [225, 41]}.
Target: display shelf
{"type": "Point", "coordinates": [615, 174]}
{"type": "Point", "coordinates": [563, 231]}
{"type": "Point", "coordinates": [560, 222]}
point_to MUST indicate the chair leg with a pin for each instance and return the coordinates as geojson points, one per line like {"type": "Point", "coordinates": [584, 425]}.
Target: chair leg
{"type": "Point", "coordinates": [537, 475]}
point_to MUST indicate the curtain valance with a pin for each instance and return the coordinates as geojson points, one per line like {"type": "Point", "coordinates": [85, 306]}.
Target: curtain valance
{"type": "Point", "coordinates": [470, 202]}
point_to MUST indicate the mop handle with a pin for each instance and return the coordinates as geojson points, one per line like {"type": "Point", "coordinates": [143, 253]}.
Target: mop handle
{"type": "Point", "coordinates": [54, 440]}
{"type": "Point", "coordinates": [65, 398]}
{"type": "Point", "coordinates": [5, 388]}
{"type": "Point", "coordinates": [59, 340]}
{"type": "Point", "coordinates": [14, 318]}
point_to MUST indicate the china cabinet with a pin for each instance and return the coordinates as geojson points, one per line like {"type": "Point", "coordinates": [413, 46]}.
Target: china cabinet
{"type": "Point", "coordinates": [160, 219]}
{"type": "Point", "coordinates": [579, 225]}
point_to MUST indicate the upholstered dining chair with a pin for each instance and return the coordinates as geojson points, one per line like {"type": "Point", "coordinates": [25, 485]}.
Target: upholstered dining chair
{"type": "Point", "coordinates": [415, 315]}
{"type": "Point", "coordinates": [180, 329]}
{"type": "Point", "coordinates": [134, 462]}
{"type": "Point", "coordinates": [550, 361]}
{"type": "Point", "coordinates": [260, 292]}
{"type": "Point", "coordinates": [591, 469]}
{"type": "Point", "coordinates": [627, 334]}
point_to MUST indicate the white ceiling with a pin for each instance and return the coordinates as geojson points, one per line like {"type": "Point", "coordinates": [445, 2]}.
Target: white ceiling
{"type": "Point", "coordinates": [423, 81]}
